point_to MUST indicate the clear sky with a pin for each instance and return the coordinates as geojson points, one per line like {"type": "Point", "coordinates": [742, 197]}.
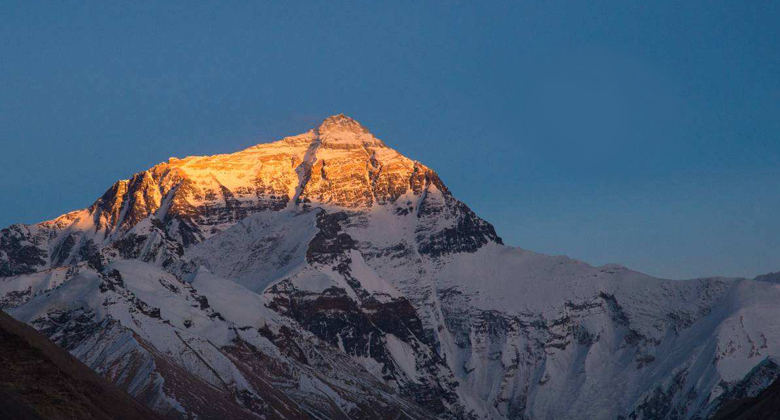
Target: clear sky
{"type": "Point", "coordinates": [645, 133]}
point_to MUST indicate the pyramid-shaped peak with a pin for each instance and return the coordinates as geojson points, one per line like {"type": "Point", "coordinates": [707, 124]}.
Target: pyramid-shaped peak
{"type": "Point", "coordinates": [341, 123]}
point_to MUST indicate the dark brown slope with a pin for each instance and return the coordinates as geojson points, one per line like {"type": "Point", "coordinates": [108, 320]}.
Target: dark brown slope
{"type": "Point", "coordinates": [763, 406]}
{"type": "Point", "coordinates": [40, 381]}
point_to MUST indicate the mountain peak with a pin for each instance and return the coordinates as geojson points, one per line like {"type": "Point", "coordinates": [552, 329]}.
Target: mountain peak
{"type": "Point", "coordinates": [341, 123]}
{"type": "Point", "coordinates": [342, 132]}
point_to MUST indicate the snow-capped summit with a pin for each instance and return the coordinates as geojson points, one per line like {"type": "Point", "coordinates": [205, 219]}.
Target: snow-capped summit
{"type": "Point", "coordinates": [327, 276]}
{"type": "Point", "coordinates": [340, 131]}
{"type": "Point", "coordinates": [341, 123]}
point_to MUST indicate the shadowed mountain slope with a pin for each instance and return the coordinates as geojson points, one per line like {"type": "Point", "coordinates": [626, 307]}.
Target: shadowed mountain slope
{"type": "Point", "coordinates": [764, 406]}
{"type": "Point", "coordinates": [41, 381]}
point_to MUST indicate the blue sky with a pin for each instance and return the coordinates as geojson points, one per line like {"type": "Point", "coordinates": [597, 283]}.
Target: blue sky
{"type": "Point", "coordinates": [640, 133]}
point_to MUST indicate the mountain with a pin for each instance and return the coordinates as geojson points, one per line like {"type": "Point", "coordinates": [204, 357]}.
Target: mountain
{"type": "Point", "coordinates": [42, 381]}
{"type": "Point", "coordinates": [327, 276]}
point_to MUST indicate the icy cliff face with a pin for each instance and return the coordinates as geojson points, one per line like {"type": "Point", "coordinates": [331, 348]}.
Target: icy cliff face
{"type": "Point", "coordinates": [327, 276]}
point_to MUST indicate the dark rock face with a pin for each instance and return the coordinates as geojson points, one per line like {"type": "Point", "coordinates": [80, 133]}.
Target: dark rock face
{"type": "Point", "coordinates": [20, 256]}
{"type": "Point", "coordinates": [465, 232]}
{"type": "Point", "coordinates": [89, 252]}
{"type": "Point", "coordinates": [63, 250]}
{"type": "Point", "coordinates": [361, 330]}
{"type": "Point", "coordinates": [42, 381]}
{"type": "Point", "coordinates": [331, 242]}
{"type": "Point", "coordinates": [130, 246]}
{"type": "Point", "coordinates": [467, 235]}
{"type": "Point", "coordinates": [661, 405]}
{"type": "Point", "coordinates": [70, 328]}
{"type": "Point", "coordinates": [15, 298]}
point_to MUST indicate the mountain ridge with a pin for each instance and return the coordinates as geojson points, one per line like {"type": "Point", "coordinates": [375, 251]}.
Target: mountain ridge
{"type": "Point", "coordinates": [326, 274]}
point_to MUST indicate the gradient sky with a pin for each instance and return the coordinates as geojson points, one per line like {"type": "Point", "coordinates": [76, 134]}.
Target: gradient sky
{"type": "Point", "coordinates": [645, 134]}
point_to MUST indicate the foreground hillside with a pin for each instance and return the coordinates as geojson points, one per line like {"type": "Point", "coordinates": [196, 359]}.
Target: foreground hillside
{"type": "Point", "coordinates": [765, 405]}
{"type": "Point", "coordinates": [42, 381]}
{"type": "Point", "coordinates": [328, 276]}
